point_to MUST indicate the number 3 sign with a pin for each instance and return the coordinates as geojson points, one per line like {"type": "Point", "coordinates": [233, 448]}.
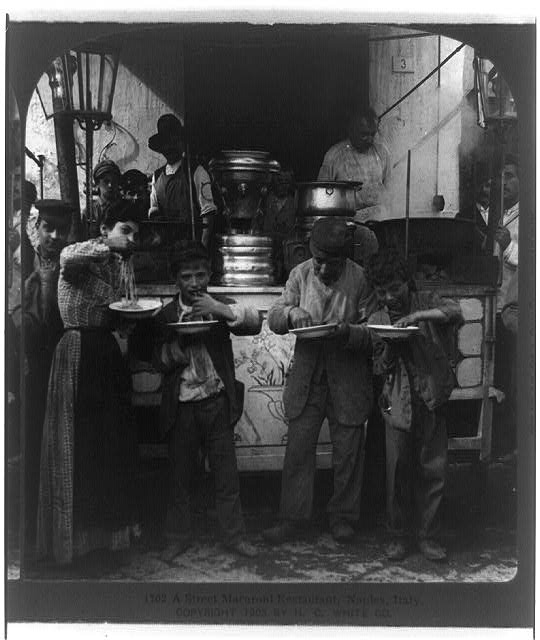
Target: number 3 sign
{"type": "Point", "coordinates": [402, 64]}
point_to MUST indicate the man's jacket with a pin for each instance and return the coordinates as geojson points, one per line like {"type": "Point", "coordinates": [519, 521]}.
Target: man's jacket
{"type": "Point", "coordinates": [347, 366]}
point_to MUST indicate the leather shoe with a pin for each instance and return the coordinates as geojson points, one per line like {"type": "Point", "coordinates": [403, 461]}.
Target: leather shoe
{"type": "Point", "coordinates": [396, 550]}
{"type": "Point", "coordinates": [243, 548]}
{"type": "Point", "coordinates": [342, 532]}
{"type": "Point", "coordinates": [280, 533]}
{"type": "Point", "coordinates": [432, 550]}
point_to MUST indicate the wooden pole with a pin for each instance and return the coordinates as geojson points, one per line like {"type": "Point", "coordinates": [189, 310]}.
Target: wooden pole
{"type": "Point", "coordinates": [88, 168]}
{"type": "Point", "coordinates": [496, 191]}
{"type": "Point", "coordinates": [190, 188]}
{"type": "Point", "coordinates": [407, 203]}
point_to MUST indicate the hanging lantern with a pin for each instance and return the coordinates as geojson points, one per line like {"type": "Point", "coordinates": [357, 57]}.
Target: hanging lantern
{"type": "Point", "coordinates": [82, 81]}
{"type": "Point", "coordinates": [494, 101]}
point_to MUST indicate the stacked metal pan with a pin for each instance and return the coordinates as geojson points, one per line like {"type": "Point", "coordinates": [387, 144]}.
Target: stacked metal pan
{"type": "Point", "coordinates": [244, 260]}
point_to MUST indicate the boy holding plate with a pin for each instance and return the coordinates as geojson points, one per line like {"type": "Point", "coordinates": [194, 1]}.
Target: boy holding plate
{"type": "Point", "coordinates": [329, 377]}
{"type": "Point", "coordinates": [418, 382]}
{"type": "Point", "coordinates": [201, 399]}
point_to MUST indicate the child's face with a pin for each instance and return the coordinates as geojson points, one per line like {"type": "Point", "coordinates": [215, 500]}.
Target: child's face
{"type": "Point", "coordinates": [192, 280]}
{"type": "Point", "coordinates": [108, 186]}
{"type": "Point", "coordinates": [394, 296]}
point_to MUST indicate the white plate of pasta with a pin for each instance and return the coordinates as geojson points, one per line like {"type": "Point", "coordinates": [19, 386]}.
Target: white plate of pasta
{"type": "Point", "coordinates": [130, 305]}
{"type": "Point", "coordinates": [137, 309]}
{"type": "Point", "coordinates": [192, 326]}
{"type": "Point", "coordinates": [389, 331]}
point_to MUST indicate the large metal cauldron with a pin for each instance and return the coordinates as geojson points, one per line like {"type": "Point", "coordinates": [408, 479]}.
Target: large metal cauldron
{"type": "Point", "coordinates": [244, 260]}
{"type": "Point", "coordinates": [244, 177]}
{"type": "Point", "coordinates": [436, 236]}
{"type": "Point", "coordinates": [327, 198]}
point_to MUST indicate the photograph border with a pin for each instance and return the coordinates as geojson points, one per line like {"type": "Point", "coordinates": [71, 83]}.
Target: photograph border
{"type": "Point", "coordinates": [509, 604]}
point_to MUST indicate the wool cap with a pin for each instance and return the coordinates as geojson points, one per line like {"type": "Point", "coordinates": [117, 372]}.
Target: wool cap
{"type": "Point", "coordinates": [56, 212]}
{"type": "Point", "coordinates": [105, 166]}
{"type": "Point", "coordinates": [330, 237]}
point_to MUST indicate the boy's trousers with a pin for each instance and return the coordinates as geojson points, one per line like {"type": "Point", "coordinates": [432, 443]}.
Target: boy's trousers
{"type": "Point", "coordinates": [415, 473]}
{"type": "Point", "coordinates": [204, 423]}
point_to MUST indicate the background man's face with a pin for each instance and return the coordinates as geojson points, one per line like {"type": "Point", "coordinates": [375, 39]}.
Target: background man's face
{"type": "Point", "coordinates": [173, 150]}
{"type": "Point", "coordinates": [361, 133]}
{"type": "Point", "coordinates": [52, 238]}
{"type": "Point", "coordinates": [108, 186]}
{"type": "Point", "coordinates": [510, 185]}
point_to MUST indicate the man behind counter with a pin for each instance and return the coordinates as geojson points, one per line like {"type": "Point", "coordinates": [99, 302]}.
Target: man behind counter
{"type": "Point", "coordinates": [170, 197]}
{"type": "Point", "coordinates": [359, 158]}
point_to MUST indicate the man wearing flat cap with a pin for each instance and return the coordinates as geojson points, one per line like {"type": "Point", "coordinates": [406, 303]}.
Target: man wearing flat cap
{"type": "Point", "coordinates": [328, 377]}
{"type": "Point", "coordinates": [170, 197]}
{"type": "Point", "coordinates": [43, 329]}
{"type": "Point", "coordinates": [106, 177]}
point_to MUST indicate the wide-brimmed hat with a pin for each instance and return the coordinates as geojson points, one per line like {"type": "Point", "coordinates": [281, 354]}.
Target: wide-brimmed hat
{"type": "Point", "coordinates": [55, 212]}
{"type": "Point", "coordinates": [330, 237]}
{"type": "Point", "coordinates": [170, 130]}
{"type": "Point", "coordinates": [105, 166]}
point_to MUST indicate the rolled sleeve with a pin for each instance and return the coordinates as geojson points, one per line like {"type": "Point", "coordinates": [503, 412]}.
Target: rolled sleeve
{"type": "Point", "coordinates": [511, 254]}
{"type": "Point", "coordinates": [81, 254]}
{"type": "Point", "coordinates": [449, 307]}
{"type": "Point", "coordinates": [203, 187]}
{"type": "Point", "coordinates": [247, 320]}
{"type": "Point", "coordinates": [154, 204]}
{"type": "Point", "coordinates": [278, 315]}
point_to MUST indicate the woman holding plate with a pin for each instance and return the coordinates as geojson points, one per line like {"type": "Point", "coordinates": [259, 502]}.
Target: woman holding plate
{"type": "Point", "coordinates": [88, 454]}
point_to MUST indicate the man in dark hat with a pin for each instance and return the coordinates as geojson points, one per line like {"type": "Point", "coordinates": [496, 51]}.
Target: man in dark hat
{"type": "Point", "coordinates": [169, 196]}
{"type": "Point", "coordinates": [329, 378]}
{"type": "Point", "coordinates": [42, 328]}
{"type": "Point", "coordinates": [106, 177]}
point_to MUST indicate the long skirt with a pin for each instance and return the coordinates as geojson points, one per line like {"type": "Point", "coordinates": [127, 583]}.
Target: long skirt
{"type": "Point", "coordinates": [89, 449]}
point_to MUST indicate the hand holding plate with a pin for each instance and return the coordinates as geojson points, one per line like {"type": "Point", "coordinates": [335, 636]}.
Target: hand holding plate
{"type": "Point", "coordinates": [300, 318]}
{"type": "Point", "coordinates": [407, 321]}
{"type": "Point", "coordinates": [341, 332]}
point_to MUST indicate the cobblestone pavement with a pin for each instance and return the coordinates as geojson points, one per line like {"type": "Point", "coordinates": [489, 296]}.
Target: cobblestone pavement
{"type": "Point", "coordinates": [480, 541]}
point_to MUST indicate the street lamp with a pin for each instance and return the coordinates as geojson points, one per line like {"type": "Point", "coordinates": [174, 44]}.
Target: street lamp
{"type": "Point", "coordinates": [496, 111]}
{"type": "Point", "coordinates": [82, 81]}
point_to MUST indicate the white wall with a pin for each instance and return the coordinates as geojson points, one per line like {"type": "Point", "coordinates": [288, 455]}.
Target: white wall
{"type": "Point", "coordinates": [149, 84]}
{"type": "Point", "coordinates": [405, 126]}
